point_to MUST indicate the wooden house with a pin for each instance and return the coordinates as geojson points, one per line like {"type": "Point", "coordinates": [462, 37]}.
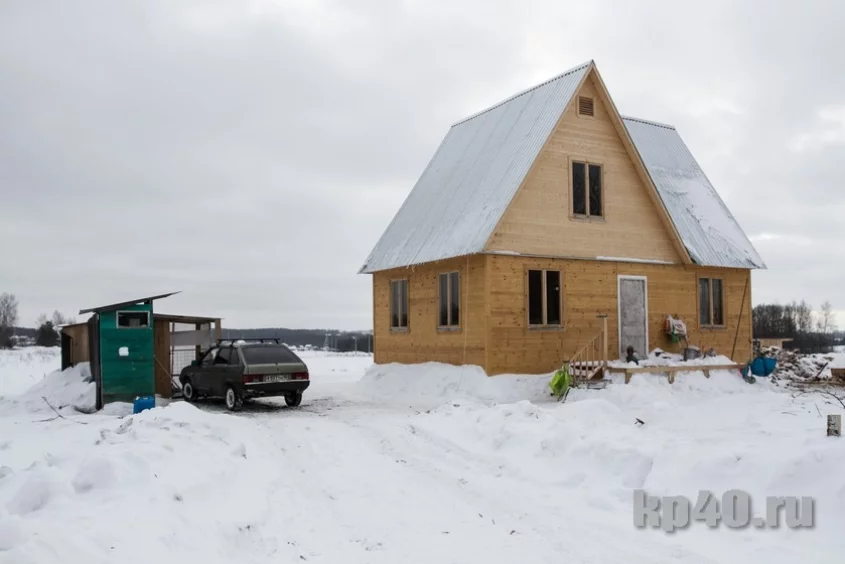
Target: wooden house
{"type": "Point", "coordinates": [548, 217]}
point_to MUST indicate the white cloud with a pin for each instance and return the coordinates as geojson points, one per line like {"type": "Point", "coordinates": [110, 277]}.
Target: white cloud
{"type": "Point", "coordinates": [251, 153]}
{"type": "Point", "coordinates": [830, 131]}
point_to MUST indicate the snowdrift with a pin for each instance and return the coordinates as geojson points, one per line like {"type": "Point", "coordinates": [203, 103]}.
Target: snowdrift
{"type": "Point", "coordinates": [413, 464]}
{"type": "Point", "coordinates": [71, 389]}
{"type": "Point", "coordinates": [433, 383]}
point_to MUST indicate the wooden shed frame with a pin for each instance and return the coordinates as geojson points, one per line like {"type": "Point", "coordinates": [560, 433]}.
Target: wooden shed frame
{"type": "Point", "coordinates": [171, 347]}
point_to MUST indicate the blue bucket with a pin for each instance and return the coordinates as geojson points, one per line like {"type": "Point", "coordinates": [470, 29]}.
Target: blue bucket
{"type": "Point", "coordinates": [143, 403]}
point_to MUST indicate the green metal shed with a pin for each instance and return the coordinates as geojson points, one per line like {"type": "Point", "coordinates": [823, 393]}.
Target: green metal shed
{"type": "Point", "coordinates": [121, 349]}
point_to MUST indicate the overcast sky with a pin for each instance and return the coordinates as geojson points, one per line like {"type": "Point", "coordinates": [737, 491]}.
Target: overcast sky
{"type": "Point", "coordinates": [250, 153]}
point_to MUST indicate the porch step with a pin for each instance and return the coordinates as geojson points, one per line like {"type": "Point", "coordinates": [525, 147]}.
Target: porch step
{"type": "Point", "coordinates": [586, 370]}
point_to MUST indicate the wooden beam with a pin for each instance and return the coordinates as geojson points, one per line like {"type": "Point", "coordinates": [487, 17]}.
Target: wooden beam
{"type": "Point", "coordinates": [671, 371]}
{"type": "Point", "coordinates": [604, 340]}
{"type": "Point", "coordinates": [675, 368]}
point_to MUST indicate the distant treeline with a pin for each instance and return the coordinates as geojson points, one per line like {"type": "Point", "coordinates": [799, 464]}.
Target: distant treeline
{"type": "Point", "coordinates": [811, 332]}
{"type": "Point", "coordinates": [336, 340]}
{"type": "Point", "coordinates": [25, 332]}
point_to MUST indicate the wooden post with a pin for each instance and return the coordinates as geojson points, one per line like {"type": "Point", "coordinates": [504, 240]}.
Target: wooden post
{"type": "Point", "coordinates": [604, 338]}
{"type": "Point", "coordinates": [739, 319]}
{"type": "Point", "coordinates": [198, 349]}
{"type": "Point", "coordinates": [605, 355]}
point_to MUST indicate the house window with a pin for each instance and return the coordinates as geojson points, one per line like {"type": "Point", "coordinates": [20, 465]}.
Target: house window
{"type": "Point", "coordinates": [711, 304]}
{"type": "Point", "coordinates": [544, 298]}
{"type": "Point", "coordinates": [399, 304]}
{"type": "Point", "coordinates": [449, 312]}
{"type": "Point", "coordinates": [587, 189]}
{"type": "Point", "coordinates": [133, 319]}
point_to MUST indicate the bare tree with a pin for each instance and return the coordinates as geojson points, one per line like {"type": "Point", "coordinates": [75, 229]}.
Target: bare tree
{"type": "Point", "coordinates": [8, 318]}
{"type": "Point", "coordinates": [59, 319]}
{"type": "Point", "coordinates": [827, 319]}
{"type": "Point", "coordinates": [805, 317]}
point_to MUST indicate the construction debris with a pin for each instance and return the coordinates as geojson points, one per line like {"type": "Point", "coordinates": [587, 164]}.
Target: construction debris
{"type": "Point", "coordinates": [795, 367]}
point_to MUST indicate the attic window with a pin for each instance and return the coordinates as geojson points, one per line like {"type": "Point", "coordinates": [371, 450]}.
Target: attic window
{"type": "Point", "coordinates": [585, 106]}
{"type": "Point", "coordinates": [587, 197]}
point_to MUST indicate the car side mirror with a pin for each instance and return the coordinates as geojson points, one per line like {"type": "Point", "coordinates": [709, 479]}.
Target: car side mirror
{"type": "Point", "coordinates": [195, 363]}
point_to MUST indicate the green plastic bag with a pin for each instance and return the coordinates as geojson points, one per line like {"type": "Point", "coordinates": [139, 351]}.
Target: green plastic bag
{"type": "Point", "coordinates": [561, 382]}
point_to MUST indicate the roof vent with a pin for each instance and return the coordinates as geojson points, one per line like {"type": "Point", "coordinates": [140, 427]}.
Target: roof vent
{"type": "Point", "coordinates": [585, 106]}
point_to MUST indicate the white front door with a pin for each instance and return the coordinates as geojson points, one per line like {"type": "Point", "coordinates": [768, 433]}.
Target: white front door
{"type": "Point", "coordinates": [633, 315]}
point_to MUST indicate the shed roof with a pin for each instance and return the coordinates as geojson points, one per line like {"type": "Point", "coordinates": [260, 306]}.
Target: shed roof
{"type": "Point", "coordinates": [175, 318]}
{"type": "Point", "coordinates": [469, 183]}
{"type": "Point", "coordinates": [112, 307]}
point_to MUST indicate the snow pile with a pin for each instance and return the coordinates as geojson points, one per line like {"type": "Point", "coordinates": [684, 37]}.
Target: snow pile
{"type": "Point", "coordinates": [493, 471]}
{"type": "Point", "coordinates": [717, 434]}
{"type": "Point", "coordinates": [21, 368]}
{"type": "Point", "coordinates": [433, 383]}
{"type": "Point", "coordinates": [73, 389]}
{"type": "Point", "coordinates": [170, 476]}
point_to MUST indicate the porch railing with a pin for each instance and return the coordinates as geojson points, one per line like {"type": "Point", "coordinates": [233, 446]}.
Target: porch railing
{"type": "Point", "coordinates": [591, 360]}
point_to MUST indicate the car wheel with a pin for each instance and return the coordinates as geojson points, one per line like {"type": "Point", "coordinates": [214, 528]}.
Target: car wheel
{"type": "Point", "coordinates": [189, 392]}
{"type": "Point", "coordinates": [233, 400]}
{"type": "Point", "coordinates": [293, 399]}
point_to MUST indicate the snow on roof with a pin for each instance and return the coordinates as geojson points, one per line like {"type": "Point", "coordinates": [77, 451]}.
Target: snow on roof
{"type": "Point", "coordinates": [709, 232]}
{"type": "Point", "coordinates": [469, 183]}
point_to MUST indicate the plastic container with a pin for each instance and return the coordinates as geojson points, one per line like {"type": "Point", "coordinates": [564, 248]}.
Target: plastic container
{"type": "Point", "coordinates": [763, 366]}
{"type": "Point", "coordinates": [143, 403]}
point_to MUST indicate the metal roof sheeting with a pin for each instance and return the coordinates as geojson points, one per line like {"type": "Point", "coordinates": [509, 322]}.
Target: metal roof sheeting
{"type": "Point", "coordinates": [478, 168]}
{"type": "Point", "coordinates": [472, 178]}
{"type": "Point", "coordinates": [112, 307]}
{"type": "Point", "coordinates": [709, 232]}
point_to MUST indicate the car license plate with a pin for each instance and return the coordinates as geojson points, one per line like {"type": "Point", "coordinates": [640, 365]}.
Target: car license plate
{"type": "Point", "coordinates": [275, 378]}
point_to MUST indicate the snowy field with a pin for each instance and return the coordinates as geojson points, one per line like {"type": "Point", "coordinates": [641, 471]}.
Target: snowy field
{"type": "Point", "coordinates": [398, 465]}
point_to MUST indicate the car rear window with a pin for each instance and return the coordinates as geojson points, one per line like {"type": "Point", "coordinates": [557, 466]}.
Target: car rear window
{"type": "Point", "coordinates": [268, 355]}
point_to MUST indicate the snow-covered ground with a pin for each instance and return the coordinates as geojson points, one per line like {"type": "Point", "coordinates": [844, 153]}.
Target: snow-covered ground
{"type": "Point", "coordinates": [426, 463]}
{"type": "Point", "coordinates": [20, 369]}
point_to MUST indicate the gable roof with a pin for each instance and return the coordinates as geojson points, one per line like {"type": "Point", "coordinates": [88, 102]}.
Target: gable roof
{"type": "Point", "coordinates": [707, 228]}
{"type": "Point", "coordinates": [468, 185]}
